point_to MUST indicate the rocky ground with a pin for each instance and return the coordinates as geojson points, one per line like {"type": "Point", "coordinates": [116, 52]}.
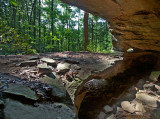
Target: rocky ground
{"type": "Point", "coordinates": [141, 101]}
{"type": "Point", "coordinates": [49, 85]}
{"type": "Point", "coordinates": [36, 84]}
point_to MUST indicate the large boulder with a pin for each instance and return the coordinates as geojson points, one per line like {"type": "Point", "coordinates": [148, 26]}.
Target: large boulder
{"type": "Point", "coordinates": [17, 110]}
{"type": "Point", "coordinates": [55, 82]}
{"type": "Point", "coordinates": [22, 91]}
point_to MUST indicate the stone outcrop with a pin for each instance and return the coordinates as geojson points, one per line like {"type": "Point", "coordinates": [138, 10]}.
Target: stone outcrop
{"type": "Point", "coordinates": [134, 23]}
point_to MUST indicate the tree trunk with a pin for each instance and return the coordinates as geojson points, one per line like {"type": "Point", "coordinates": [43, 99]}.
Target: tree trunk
{"type": "Point", "coordinates": [86, 15]}
{"type": "Point", "coordinates": [40, 43]}
{"type": "Point", "coordinates": [34, 19]}
{"type": "Point", "coordinates": [78, 44]}
{"type": "Point", "coordinates": [107, 30]}
{"type": "Point", "coordinates": [92, 32]}
{"type": "Point", "coordinates": [52, 21]}
{"type": "Point", "coordinates": [1, 9]}
{"type": "Point", "coordinates": [14, 16]}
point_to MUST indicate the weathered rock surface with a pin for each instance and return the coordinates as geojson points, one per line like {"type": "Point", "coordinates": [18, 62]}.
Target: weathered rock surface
{"type": "Point", "coordinates": [101, 115]}
{"type": "Point", "coordinates": [49, 61]}
{"type": "Point", "coordinates": [148, 100]}
{"type": "Point", "coordinates": [71, 61]}
{"type": "Point", "coordinates": [44, 69]}
{"type": "Point", "coordinates": [111, 117]}
{"type": "Point", "coordinates": [1, 104]}
{"type": "Point", "coordinates": [63, 67]}
{"type": "Point", "coordinates": [76, 67]}
{"type": "Point", "coordinates": [58, 89]}
{"type": "Point", "coordinates": [134, 24]}
{"type": "Point", "coordinates": [34, 58]}
{"type": "Point", "coordinates": [108, 109]}
{"type": "Point", "coordinates": [17, 110]}
{"type": "Point", "coordinates": [127, 106]}
{"type": "Point", "coordinates": [20, 90]}
{"type": "Point", "coordinates": [28, 63]}
{"type": "Point", "coordinates": [154, 75]}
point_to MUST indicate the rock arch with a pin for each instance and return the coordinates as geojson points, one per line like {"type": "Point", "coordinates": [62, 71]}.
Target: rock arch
{"type": "Point", "coordinates": [136, 24]}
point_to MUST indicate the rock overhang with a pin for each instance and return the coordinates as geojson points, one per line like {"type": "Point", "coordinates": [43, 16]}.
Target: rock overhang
{"type": "Point", "coordinates": [135, 24]}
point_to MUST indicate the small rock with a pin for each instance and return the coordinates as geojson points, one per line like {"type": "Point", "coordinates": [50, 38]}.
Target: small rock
{"type": "Point", "coordinates": [65, 56]}
{"type": "Point", "coordinates": [71, 61]}
{"type": "Point", "coordinates": [147, 99]}
{"type": "Point", "coordinates": [34, 58]}
{"type": "Point", "coordinates": [119, 109]}
{"type": "Point", "coordinates": [49, 61]}
{"type": "Point", "coordinates": [108, 109]}
{"type": "Point", "coordinates": [39, 93]}
{"type": "Point", "coordinates": [130, 50]}
{"type": "Point", "coordinates": [138, 106]}
{"type": "Point", "coordinates": [101, 115]}
{"type": "Point", "coordinates": [28, 63]}
{"type": "Point", "coordinates": [76, 67]}
{"type": "Point", "coordinates": [150, 87]}
{"type": "Point", "coordinates": [154, 75]}
{"type": "Point", "coordinates": [127, 106]}
{"type": "Point", "coordinates": [63, 68]}
{"type": "Point", "coordinates": [44, 69]}
{"type": "Point", "coordinates": [157, 87]}
{"type": "Point", "coordinates": [111, 117]}
{"type": "Point", "coordinates": [158, 92]}
{"type": "Point", "coordinates": [1, 104]}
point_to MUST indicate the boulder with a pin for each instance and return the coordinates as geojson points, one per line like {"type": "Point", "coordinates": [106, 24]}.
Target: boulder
{"type": "Point", "coordinates": [101, 115]}
{"type": "Point", "coordinates": [127, 106]}
{"type": "Point", "coordinates": [132, 107]}
{"type": "Point", "coordinates": [49, 61]}
{"type": "Point", "coordinates": [53, 80]}
{"type": "Point", "coordinates": [21, 90]}
{"type": "Point", "coordinates": [108, 109]}
{"type": "Point", "coordinates": [17, 110]}
{"type": "Point", "coordinates": [28, 63]}
{"type": "Point", "coordinates": [44, 69]}
{"type": "Point", "coordinates": [138, 106]}
{"type": "Point", "coordinates": [147, 99]}
{"type": "Point", "coordinates": [63, 68]}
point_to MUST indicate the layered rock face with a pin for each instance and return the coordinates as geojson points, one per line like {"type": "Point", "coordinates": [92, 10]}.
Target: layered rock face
{"type": "Point", "coordinates": [134, 23]}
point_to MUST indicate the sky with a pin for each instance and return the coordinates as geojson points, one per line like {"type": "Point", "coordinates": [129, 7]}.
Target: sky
{"type": "Point", "coordinates": [73, 8]}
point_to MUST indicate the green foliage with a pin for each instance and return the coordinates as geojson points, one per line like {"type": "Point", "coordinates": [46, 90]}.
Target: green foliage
{"type": "Point", "coordinates": [13, 43]}
{"type": "Point", "coordinates": [13, 2]}
{"type": "Point", "coordinates": [27, 27]}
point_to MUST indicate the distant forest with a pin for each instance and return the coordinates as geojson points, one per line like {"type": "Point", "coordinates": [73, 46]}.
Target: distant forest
{"type": "Point", "coordinates": [39, 26]}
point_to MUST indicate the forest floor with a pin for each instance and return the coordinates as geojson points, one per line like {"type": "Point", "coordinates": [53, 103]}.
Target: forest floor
{"type": "Point", "coordinates": [18, 71]}
{"type": "Point", "coordinates": [35, 83]}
